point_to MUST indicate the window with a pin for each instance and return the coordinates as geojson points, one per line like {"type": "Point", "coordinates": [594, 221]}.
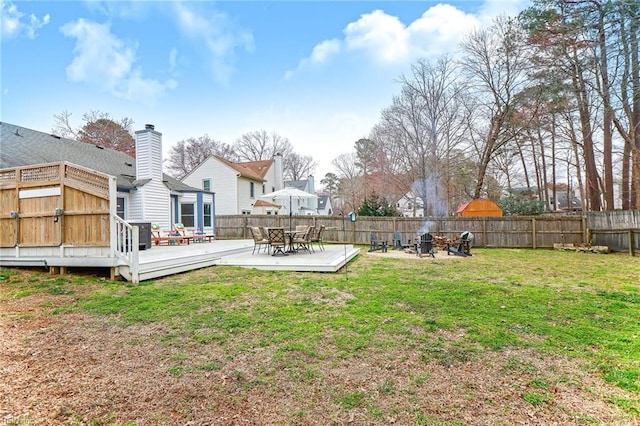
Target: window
{"type": "Point", "coordinates": [246, 211]}
{"type": "Point", "coordinates": [206, 185]}
{"type": "Point", "coordinates": [252, 190]}
{"type": "Point", "coordinates": [207, 214]}
{"type": "Point", "coordinates": [264, 187]}
{"type": "Point", "coordinates": [186, 215]}
{"type": "Point", "coordinates": [120, 207]}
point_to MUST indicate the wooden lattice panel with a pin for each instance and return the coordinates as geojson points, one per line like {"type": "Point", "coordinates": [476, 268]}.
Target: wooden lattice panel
{"type": "Point", "coordinates": [87, 177]}
{"type": "Point", "coordinates": [47, 173]}
{"type": "Point", "coordinates": [7, 175]}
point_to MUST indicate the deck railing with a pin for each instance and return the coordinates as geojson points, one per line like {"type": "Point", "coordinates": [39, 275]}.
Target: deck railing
{"type": "Point", "coordinates": [127, 249]}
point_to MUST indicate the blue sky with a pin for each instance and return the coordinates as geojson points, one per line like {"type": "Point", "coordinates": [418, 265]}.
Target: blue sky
{"type": "Point", "coordinates": [316, 72]}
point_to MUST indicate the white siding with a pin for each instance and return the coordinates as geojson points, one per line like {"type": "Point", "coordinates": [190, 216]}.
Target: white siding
{"type": "Point", "coordinates": [245, 202]}
{"type": "Point", "coordinates": [151, 202]}
{"type": "Point", "coordinates": [148, 155]}
{"type": "Point", "coordinates": [224, 183]}
{"type": "Point", "coordinates": [271, 181]}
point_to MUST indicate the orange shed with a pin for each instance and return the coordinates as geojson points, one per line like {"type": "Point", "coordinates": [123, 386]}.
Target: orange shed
{"type": "Point", "coordinates": [478, 208]}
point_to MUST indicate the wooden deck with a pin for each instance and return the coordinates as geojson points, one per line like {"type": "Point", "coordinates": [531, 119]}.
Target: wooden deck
{"type": "Point", "coordinates": [159, 261]}
{"type": "Point", "coordinates": [334, 257]}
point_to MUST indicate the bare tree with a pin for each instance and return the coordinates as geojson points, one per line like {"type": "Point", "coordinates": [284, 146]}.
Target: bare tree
{"type": "Point", "coordinates": [421, 128]}
{"type": "Point", "coordinates": [186, 154]}
{"type": "Point", "coordinates": [350, 184]}
{"type": "Point", "coordinates": [260, 145]}
{"type": "Point", "coordinates": [298, 166]}
{"type": "Point", "coordinates": [62, 126]}
{"type": "Point", "coordinates": [495, 63]}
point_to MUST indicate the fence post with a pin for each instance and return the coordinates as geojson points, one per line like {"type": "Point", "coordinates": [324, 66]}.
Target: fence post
{"type": "Point", "coordinates": [631, 242]}
{"type": "Point", "coordinates": [533, 232]}
{"type": "Point", "coordinates": [586, 238]}
{"type": "Point", "coordinates": [484, 233]}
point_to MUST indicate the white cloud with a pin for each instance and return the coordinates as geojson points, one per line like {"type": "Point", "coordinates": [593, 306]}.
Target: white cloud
{"type": "Point", "coordinates": [382, 37]}
{"type": "Point", "coordinates": [386, 41]}
{"type": "Point", "coordinates": [321, 53]}
{"type": "Point", "coordinates": [217, 33]}
{"type": "Point", "coordinates": [324, 50]}
{"type": "Point", "coordinates": [103, 60]}
{"type": "Point", "coordinates": [13, 24]}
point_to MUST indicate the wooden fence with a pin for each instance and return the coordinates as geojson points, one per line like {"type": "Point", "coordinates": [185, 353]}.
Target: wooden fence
{"type": "Point", "coordinates": [619, 230]}
{"type": "Point", "coordinates": [514, 232]}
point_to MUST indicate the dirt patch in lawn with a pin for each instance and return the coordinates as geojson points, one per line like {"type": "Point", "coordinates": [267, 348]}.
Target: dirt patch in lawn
{"type": "Point", "coordinates": [72, 368]}
{"type": "Point", "coordinates": [411, 255]}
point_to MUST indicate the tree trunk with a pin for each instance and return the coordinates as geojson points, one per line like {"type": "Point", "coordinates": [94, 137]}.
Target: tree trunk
{"type": "Point", "coordinates": [607, 115]}
{"type": "Point", "coordinates": [591, 171]}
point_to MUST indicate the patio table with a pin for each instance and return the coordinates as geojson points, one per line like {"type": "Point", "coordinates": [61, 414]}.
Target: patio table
{"type": "Point", "coordinates": [290, 236]}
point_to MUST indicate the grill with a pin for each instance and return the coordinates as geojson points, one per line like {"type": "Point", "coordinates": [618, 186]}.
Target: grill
{"type": "Point", "coordinates": [424, 245]}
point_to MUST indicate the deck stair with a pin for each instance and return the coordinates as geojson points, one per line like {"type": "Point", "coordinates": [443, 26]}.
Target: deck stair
{"type": "Point", "coordinates": [161, 261]}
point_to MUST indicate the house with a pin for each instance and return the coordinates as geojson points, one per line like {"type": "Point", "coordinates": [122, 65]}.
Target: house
{"type": "Point", "coordinates": [324, 205]}
{"type": "Point", "coordinates": [144, 192]}
{"type": "Point", "coordinates": [266, 207]}
{"type": "Point", "coordinates": [308, 206]}
{"type": "Point", "coordinates": [66, 203]}
{"type": "Point", "coordinates": [410, 205]}
{"type": "Point", "coordinates": [237, 185]}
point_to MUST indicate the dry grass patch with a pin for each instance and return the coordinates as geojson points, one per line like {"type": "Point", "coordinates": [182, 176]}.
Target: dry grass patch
{"type": "Point", "coordinates": [393, 342]}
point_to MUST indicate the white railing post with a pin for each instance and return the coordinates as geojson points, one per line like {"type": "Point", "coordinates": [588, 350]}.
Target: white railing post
{"type": "Point", "coordinates": [127, 248]}
{"type": "Point", "coordinates": [134, 267]}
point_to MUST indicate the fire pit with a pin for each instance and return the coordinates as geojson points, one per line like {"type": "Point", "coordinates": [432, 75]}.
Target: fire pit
{"type": "Point", "coordinates": [425, 245]}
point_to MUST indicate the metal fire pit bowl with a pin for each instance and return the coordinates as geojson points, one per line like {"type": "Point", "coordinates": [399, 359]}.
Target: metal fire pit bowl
{"type": "Point", "coordinates": [424, 245]}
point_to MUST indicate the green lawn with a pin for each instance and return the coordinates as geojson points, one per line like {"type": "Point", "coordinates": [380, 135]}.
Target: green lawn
{"type": "Point", "coordinates": [572, 305]}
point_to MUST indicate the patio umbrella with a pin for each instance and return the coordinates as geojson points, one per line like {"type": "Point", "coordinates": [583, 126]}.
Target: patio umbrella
{"type": "Point", "coordinates": [289, 193]}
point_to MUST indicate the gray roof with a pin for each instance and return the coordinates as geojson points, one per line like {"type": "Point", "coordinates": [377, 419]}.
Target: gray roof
{"type": "Point", "coordinates": [298, 184]}
{"type": "Point", "coordinates": [322, 201]}
{"type": "Point", "coordinates": [20, 146]}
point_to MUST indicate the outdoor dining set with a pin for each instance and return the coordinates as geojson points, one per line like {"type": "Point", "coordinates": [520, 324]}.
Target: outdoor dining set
{"type": "Point", "coordinates": [279, 241]}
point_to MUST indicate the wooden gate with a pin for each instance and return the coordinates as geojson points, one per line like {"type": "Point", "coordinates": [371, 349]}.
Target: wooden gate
{"type": "Point", "coordinates": [52, 205]}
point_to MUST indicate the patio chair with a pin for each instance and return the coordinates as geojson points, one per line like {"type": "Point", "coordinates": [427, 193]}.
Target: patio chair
{"type": "Point", "coordinates": [462, 247]}
{"type": "Point", "coordinates": [398, 243]}
{"type": "Point", "coordinates": [377, 245]}
{"type": "Point", "coordinates": [316, 237]}
{"type": "Point", "coordinates": [258, 239]}
{"type": "Point", "coordinates": [277, 241]}
{"type": "Point", "coordinates": [180, 230]}
{"type": "Point", "coordinates": [158, 236]}
{"type": "Point", "coordinates": [302, 239]}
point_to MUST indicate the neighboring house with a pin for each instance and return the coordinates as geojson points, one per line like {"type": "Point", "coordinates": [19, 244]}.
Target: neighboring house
{"type": "Point", "coordinates": [304, 207]}
{"type": "Point", "coordinates": [410, 205]}
{"type": "Point", "coordinates": [266, 207]}
{"type": "Point", "coordinates": [237, 185]}
{"type": "Point", "coordinates": [324, 206]}
{"type": "Point", "coordinates": [567, 199]}
{"type": "Point", "coordinates": [144, 192]}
